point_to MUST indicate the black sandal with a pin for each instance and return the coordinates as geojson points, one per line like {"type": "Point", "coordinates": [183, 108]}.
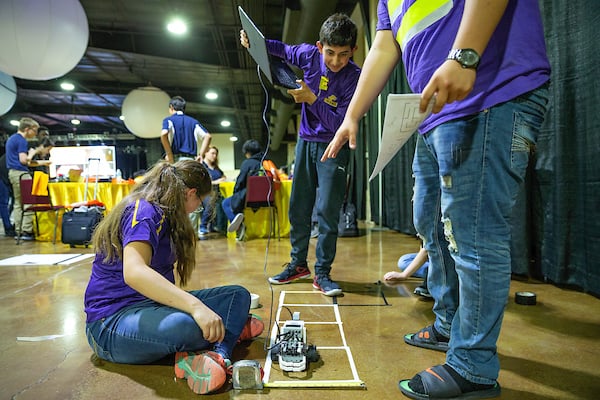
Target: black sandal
{"type": "Point", "coordinates": [439, 384]}
{"type": "Point", "coordinates": [427, 339]}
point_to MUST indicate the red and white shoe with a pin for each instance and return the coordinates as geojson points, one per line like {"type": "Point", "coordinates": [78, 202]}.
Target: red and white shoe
{"type": "Point", "coordinates": [205, 371]}
{"type": "Point", "coordinates": [253, 328]}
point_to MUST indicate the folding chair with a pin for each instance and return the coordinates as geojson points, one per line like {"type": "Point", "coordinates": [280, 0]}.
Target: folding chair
{"type": "Point", "coordinates": [260, 193]}
{"type": "Point", "coordinates": [35, 203]}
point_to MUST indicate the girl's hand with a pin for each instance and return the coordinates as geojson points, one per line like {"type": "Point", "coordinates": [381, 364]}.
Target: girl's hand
{"type": "Point", "coordinates": [211, 323]}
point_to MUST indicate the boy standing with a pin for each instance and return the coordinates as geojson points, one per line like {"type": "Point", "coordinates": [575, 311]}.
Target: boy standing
{"type": "Point", "coordinates": [486, 63]}
{"type": "Point", "coordinates": [330, 78]}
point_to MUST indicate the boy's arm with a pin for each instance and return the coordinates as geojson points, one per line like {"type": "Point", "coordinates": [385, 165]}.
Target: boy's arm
{"type": "Point", "coordinates": [205, 137]}
{"type": "Point", "coordinates": [164, 139]}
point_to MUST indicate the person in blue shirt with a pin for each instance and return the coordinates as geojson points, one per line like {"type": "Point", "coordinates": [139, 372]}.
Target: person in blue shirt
{"type": "Point", "coordinates": [181, 133]}
{"type": "Point", "coordinates": [180, 136]}
{"type": "Point", "coordinates": [330, 77]}
{"type": "Point", "coordinates": [18, 157]}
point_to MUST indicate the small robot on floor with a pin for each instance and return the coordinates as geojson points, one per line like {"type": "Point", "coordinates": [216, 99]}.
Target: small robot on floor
{"type": "Point", "coordinates": [291, 349]}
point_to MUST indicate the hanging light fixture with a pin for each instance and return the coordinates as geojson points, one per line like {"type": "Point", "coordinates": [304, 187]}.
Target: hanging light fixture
{"type": "Point", "coordinates": [74, 121]}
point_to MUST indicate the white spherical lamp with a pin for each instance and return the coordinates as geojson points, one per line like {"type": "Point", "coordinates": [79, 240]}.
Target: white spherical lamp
{"type": "Point", "coordinates": [143, 111]}
{"type": "Point", "coordinates": [8, 92]}
{"type": "Point", "coordinates": [41, 39]}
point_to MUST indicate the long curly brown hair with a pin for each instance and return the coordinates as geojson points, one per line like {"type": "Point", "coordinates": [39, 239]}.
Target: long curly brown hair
{"type": "Point", "coordinates": [164, 185]}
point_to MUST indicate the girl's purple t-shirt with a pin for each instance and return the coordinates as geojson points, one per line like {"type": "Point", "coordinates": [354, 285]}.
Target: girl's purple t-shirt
{"type": "Point", "coordinates": [107, 291]}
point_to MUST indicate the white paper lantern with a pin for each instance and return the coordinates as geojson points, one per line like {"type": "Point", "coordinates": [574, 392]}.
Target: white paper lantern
{"type": "Point", "coordinates": [143, 111]}
{"type": "Point", "coordinates": [8, 92]}
{"type": "Point", "coordinates": [41, 39]}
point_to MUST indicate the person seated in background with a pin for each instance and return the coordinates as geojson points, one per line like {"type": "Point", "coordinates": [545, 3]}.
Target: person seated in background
{"type": "Point", "coordinates": [412, 264]}
{"type": "Point", "coordinates": [138, 246]}
{"type": "Point", "coordinates": [234, 205]}
{"type": "Point", "coordinates": [211, 221]}
{"type": "Point", "coordinates": [40, 156]}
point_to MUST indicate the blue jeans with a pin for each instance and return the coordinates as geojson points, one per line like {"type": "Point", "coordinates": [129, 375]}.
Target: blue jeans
{"type": "Point", "coordinates": [149, 331]}
{"type": "Point", "coordinates": [5, 209]}
{"type": "Point", "coordinates": [227, 209]}
{"type": "Point", "coordinates": [213, 215]}
{"type": "Point", "coordinates": [467, 175]}
{"type": "Point", "coordinates": [330, 178]}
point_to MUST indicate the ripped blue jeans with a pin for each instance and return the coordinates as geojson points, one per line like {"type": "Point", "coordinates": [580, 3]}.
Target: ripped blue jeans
{"type": "Point", "coordinates": [467, 176]}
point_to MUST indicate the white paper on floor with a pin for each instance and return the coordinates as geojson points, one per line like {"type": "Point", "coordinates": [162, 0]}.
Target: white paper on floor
{"type": "Point", "coordinates": [45, 259]}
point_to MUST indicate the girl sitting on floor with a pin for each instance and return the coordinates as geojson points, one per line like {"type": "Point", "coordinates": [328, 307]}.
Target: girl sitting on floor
{"type": "Point", "coordinates": [135, 312]}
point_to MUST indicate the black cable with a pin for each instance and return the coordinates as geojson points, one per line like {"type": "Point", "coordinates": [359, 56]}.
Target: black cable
{"type": "Point", "coordinates": [271, 222]}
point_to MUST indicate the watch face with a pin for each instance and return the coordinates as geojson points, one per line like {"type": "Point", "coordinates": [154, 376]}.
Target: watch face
{"type": "Point", "coordinates": [468, 58]}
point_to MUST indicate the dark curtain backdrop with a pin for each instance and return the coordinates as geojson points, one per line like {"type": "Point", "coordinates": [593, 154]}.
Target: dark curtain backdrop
{"type": "Point", "coordinates": [557, 223]}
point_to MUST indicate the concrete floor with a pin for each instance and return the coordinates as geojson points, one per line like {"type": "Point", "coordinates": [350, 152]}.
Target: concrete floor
{"type": "Point", "coordinates": [547, 351]}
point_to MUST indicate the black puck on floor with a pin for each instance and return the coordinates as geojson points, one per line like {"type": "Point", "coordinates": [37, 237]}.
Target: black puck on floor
{"type": "Point", "coordinates": [525, 298]}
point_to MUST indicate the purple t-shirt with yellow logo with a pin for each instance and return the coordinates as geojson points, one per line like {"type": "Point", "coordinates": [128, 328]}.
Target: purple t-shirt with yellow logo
{"type": "Point", "coordinates": [107, 291]}
{"type": "Point", "coordinates": [334, 90]}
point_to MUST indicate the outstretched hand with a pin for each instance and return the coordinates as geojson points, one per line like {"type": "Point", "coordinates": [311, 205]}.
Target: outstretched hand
{"type": "Point", "coordinates": [346, 133]}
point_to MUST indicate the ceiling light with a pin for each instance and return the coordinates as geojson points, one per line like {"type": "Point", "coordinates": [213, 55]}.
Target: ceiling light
{"type": "Point", "coordinates": [67, 86]}
{"type": "Point", "coordinates": [225, 123]}
{"type": "Point", "coordinates": [177, 26]}
{"type": "Point", "coordinates": [210, 95]}
{"type": "Point", "coordinates": [14, 122]}
{"type": "Point", "coordinates": [122, 117]}
{"type": "Point", "coordinates": [233, 139]}
{"type": "Point", "coordinates": [75, 121]}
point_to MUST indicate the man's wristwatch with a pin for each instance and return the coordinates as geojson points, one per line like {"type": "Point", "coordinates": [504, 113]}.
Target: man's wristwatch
{"type": "Point", "coordinates": [467, 58]}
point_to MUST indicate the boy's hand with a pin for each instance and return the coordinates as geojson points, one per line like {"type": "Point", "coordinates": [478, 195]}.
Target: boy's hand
{"type": "Point", "coordinates": [303, 94]}
{"type": "Point", "coordinates": [346, 133]}
{"type": "Point", "coordinates": [244, 39]}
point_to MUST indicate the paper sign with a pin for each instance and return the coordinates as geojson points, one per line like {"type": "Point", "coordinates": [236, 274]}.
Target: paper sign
{"type": "Point", "coordinates": [402, 118]}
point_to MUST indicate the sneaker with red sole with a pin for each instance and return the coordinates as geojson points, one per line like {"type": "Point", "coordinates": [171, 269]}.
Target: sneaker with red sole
{"type": "Point", "coordinates": [325, 285]}
{"type": "Point", "coordinates": [290, 273]}
{"type": "Point", "coordinates": [253, 328]}
{"type": "Point", "coordinates": [205, 371]}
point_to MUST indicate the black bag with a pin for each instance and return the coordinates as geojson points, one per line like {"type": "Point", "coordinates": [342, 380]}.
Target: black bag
{"type": "Point", "coordinates": [347, 226]}
{"type": "Point", "coordinates": [78, 225]}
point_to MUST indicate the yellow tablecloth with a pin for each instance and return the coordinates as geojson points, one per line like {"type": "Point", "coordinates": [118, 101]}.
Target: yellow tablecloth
{"type": "Point", "coordinates": [257, 223]}
{"type": "Point", "coordinates": [66, 193]}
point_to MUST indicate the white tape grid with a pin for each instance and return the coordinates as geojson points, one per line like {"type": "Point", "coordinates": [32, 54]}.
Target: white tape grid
{"type": "Point", "coordinates": [356, 382]}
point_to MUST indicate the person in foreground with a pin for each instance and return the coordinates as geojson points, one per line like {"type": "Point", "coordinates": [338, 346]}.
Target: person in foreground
{"type": "Point", "coordinates": [485, 66]}
{"type": "Point", "coordinates": [330, 78]}
{"type": "Point", "coordinates": [136, 314]}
